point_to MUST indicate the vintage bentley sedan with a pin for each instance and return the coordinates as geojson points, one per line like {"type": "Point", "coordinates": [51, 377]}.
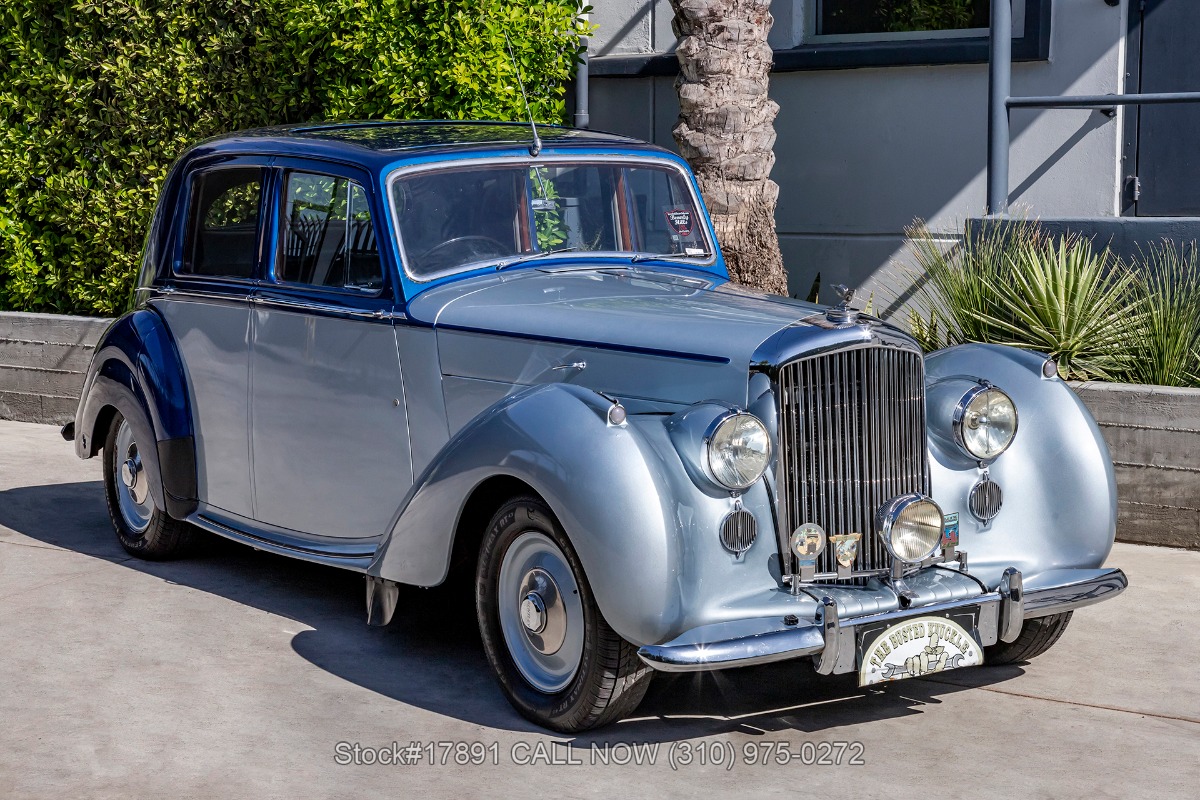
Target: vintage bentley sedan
{"type": "Point", "coordinates": [427, 350]}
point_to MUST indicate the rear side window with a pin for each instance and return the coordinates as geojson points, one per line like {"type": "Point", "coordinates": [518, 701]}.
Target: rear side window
{"type": "Point", "coordinates": [222, 234]}
{"type": "Point", "coordinates": [328, 239]}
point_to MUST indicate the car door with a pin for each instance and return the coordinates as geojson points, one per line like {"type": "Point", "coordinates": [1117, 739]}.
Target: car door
{"type": "Point", "coordinates": [217, 258]}
{"type": "Point", "coordinates": [329, 429]}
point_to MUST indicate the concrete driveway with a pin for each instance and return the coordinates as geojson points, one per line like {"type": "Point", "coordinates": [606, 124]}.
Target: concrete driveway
{"type": "Point", "coordinates": [241, 674]}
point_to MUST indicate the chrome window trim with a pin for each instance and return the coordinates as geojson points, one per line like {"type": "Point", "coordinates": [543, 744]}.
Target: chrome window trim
{"type": "Point", "coordinates": [184, 199]}
{"type": "Point", "coordinates": [270, 277]}
{"type": "Point", "coordinates": [483, 161]}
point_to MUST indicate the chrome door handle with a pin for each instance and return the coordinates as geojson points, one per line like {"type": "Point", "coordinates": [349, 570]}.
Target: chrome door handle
{"type": "Point", "coordinates": [579, 365]}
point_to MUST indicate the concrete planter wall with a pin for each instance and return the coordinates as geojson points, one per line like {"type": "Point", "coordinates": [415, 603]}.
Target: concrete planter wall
{"type": "Point", "coordinates": [1153, 433]}
{"type": "Point", "coordinates": [43, 358]}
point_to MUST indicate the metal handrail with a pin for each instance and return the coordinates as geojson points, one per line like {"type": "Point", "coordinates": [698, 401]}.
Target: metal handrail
{"type": "Point", "coordinates": [1000, 102]}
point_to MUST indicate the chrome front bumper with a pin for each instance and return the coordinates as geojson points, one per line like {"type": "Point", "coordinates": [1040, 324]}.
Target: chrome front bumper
{"type": "Point", "coordinates": [831, 640]}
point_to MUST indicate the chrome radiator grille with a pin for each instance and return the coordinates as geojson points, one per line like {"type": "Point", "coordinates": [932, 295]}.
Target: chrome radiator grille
{"type": "Point", "coordinates": [852, 436]}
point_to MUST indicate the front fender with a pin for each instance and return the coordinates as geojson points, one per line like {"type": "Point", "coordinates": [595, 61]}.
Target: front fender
{"type": "Point", "coordinates": [601, 481]}
{"type": "Point", "coordinates": [636, 520]}
{"type": "Point", "coordinates": [1060, 501]}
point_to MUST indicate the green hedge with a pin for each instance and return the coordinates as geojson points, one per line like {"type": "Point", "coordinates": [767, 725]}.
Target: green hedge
{"type": "Point", "coordinates": [99, 97]}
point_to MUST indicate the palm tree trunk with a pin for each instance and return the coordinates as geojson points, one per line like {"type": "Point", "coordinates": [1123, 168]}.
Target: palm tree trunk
{"type": "Point", "coordinates": [726, 129]}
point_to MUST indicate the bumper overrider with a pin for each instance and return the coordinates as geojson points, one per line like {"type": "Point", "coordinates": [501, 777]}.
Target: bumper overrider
{"type": "Point", "coordinates": [831, 635]}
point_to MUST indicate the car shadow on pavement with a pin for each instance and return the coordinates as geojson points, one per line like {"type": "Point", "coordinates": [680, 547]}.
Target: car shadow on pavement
{"type": "Point", "coordinates": [430, 656]}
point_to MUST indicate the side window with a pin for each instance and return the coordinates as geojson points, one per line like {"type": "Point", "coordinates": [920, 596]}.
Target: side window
{"type": "Point", "coordinates": [222, 232]}
{"type": "Point", "coordinates": [327, 236]}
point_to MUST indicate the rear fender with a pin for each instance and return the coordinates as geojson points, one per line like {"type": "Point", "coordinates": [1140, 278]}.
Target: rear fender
{"type": "Point", "coordinates": [136, 370]}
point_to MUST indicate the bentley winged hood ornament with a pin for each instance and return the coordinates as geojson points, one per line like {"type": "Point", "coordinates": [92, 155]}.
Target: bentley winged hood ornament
{"type": "Point", "coordinates": [842, 313]}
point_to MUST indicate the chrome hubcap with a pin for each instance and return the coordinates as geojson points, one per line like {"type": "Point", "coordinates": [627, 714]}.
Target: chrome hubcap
{"type": "Point", "coordinates": [533, 613]}
{"type": "Point", "coordinates": [133, 488]}
{"type": "Point", "coordinates": [541, 614]}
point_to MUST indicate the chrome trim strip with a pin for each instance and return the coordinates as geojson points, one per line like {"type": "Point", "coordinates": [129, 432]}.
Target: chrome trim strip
{"type": "Point", "coordinates": [328, 309]}
{"type": "Point", "coordinates": [173, 292]}
{"type": "Point", "coordinates": [355, 557]}
{"type": "Point", "coordinates": [1068, 597]}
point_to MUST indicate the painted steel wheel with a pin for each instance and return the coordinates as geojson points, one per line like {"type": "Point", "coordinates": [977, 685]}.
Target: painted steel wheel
{"type": "Point", "coordinates": [144, 529]}
{"type": "Point", "coordinates": [557, 660]}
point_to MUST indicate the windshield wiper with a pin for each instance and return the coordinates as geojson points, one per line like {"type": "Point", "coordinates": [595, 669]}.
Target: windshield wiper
{"type": "Point", "coordinates": [669, 256]}
{"type": "Point", "coordinates": [534, 257]}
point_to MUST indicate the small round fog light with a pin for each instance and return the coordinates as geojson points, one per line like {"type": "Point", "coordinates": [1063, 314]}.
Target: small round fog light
{"type": "Point", "coordinates": [911, 527]}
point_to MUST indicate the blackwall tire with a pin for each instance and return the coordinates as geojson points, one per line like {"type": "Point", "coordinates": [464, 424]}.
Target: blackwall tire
{"type": "Point", "coordinates": [144, 530]}
{"type": "Point", "coordinates": [1037, 636]}
{"type": "Point", "coordinates": [555, 657]}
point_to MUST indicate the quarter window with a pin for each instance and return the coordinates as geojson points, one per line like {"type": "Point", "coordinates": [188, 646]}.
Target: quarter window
{"type": "Point", "coordinates": [222, 234]}
{"type": "Point", "coordinates": [327, 238]}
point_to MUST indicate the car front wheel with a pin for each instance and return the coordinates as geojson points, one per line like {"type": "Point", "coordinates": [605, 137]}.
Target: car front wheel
{"type": "Point", "coordinates": [557, 660]}
{"type": "Point", "coordinates": [144, 529]}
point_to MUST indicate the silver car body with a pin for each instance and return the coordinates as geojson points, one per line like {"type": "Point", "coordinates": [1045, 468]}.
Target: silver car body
{"type": "Point", "coordinates": [371, 436]}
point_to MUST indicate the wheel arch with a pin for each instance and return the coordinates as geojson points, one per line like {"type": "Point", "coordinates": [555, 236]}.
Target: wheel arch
{"type": "Point", "coordinates": [137, 371]}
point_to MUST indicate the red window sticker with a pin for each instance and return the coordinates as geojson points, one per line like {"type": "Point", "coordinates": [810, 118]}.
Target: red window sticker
{"type": "Point", "coordinates": [680, 220]}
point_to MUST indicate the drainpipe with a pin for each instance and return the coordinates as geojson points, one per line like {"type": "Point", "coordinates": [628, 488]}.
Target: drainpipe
{"type": "Point", "coordinates": [582, 118]}
{"type": "Point", "coordinates": [999, 90]}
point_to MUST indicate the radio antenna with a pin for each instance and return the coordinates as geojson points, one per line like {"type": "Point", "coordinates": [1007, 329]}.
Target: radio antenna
{"type": "Point", "coordinates": [536, 147]}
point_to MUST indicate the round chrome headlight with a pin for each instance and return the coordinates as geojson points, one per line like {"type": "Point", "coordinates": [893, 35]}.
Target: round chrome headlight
{"type": "Point", "coordinates": [739, 450]}
{"type": "Point", "coordinates": [911, 527]}
{"type": "Point", "coordinates": [985, 422]}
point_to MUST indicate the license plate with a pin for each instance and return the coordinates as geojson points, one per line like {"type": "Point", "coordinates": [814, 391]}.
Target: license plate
{"type": "Point", "coordinates": [918, 646]}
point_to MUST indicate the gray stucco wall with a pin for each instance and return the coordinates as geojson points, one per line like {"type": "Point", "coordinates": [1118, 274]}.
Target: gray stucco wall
{"type": "Point", "coordinates": [43, 359]}
{"type": "Point", "coordinates": [861, 153]}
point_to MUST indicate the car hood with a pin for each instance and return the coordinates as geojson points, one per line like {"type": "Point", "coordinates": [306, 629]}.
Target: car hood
{"type": "Point", "coordinates": [654, 334]}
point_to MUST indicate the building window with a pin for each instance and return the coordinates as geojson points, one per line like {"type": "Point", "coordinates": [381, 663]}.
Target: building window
{"type": "Point", "coordinates": [831, 21]}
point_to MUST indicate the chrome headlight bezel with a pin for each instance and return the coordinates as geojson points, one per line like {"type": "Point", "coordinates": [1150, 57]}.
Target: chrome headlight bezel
{"type": "Point", "coordinates": [891, 512]}
{"type": "Point", "coordinates": [959, 418]}
{"type": "Point", "coordinates": [712, 443]}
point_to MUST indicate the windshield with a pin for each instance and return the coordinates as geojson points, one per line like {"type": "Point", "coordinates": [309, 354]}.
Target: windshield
{"type": "Point", "coordinates": [464, 216]}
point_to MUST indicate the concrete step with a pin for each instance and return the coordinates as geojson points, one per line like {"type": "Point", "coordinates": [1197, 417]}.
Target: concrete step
{"type": "Point", "coordinates": [52, 328]}
{"type": "Point", "coordinates": [29, 380]}
{"type": "Point", "coordinates": [45, 355]}
{"type": "Point", "coordinates": [46, 409]}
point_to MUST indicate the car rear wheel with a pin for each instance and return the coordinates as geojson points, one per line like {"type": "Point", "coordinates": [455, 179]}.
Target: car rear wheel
{"type": "Point", "coordinates": [557, 660]}
{"type": "Point", "coordinates": [1037, 636]}
{"type": "Point", "coordinates": [144, 529]}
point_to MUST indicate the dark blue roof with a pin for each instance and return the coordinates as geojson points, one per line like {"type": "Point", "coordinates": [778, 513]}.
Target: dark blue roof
{"type": "Point", "coordinates": [379, 143]}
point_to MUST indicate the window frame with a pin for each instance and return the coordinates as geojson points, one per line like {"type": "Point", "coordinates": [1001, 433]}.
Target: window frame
{"type": "Point", "coordinates": [812, 11]}
{"type": "Point", "coordinates": [405, 170]}
{"type": "Point", "coordinates": [914, 48]}
{"type": "Point", "coordinates": [184, 225]}
{"type": "Point", "coordinates": [271, 278]}
{"type": "Point", "coordinates": [280, 169]}
{"type": "Point", "coordinates": [809, 55]}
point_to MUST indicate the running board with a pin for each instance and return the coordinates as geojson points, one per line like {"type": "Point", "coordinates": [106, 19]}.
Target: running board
{"type": "Point", "coordinates": [356, 557]}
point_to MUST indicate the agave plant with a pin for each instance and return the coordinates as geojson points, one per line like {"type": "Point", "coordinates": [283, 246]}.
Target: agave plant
{"type": "Point", "coordinates": [955, 301]}
{"type": "Point", "coordinates": [1166, 346]}
{"type": "Point", "coordinates": [1065, 299]}
{"type": "Point", "coordinates": [1010, 283]}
